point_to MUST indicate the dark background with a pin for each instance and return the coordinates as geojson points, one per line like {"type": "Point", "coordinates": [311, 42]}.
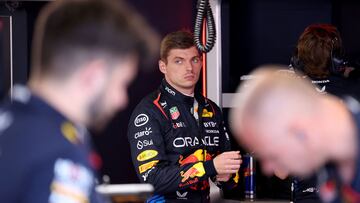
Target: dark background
{"type": "Point", "coordinates": [254, 32]}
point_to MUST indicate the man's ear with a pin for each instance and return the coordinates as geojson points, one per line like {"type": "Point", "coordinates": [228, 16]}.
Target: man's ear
{"type": "Point", "coordinates": [162, 66]}
{"type": "Point", "coordinates": [299, 132]}
{"type": "Point", "coordinates": [93, 74]}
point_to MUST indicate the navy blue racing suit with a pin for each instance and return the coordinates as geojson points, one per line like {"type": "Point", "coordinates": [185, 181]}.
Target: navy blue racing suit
{"type": "Point", "coordinates": [44, 157]}
{"type": "Point", "coordinates": [173, 140]}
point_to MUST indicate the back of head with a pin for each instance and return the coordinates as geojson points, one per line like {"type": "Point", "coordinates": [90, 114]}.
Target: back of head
{"type": "Point", "coordinates": [176, 40]}
{"type": "Point", "coordinates": [69, 33]}
{"type": "Point", "coordinates": [271, 96]}
{"type": "Point", "coordinates": [315, 48]}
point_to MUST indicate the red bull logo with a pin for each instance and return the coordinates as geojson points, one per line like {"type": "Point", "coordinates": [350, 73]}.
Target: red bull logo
{"type": "Point", "coordinates": [197, 170]}
{"type": "Point", "coordinates": [197, 156]}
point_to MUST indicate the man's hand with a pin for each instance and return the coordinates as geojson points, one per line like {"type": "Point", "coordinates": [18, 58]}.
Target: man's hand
{"type": "Point", "coordinates": [227, 163]}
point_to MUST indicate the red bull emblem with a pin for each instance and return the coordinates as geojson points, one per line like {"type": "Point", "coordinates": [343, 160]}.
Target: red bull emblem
{"type": "Point", "coordinates": [197, 156]}
{"type": "Point", "coordinates": [197, 170]}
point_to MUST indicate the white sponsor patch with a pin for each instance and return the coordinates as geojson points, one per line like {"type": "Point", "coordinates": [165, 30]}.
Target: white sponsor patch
{"type": "Point", "coordinates": [141, 120]}
{"type": "Point", "coordinates": [144, 143]}
{"type": "Point", "coordinates": [210, 124]}
{"type": "Point", "coordinates": [170, 91]}
{"type": "Point", "coordinates": [146, 174]}
{"type": "Point", "coordinates": [212, 131]}
{"type": "Point", "coordinates": [194, 141]}
{"type": "Point", "coordinates": [181, 195]}
{"type": "Point", "coordinates": [147, 131]}
{"type": "Point", "coordinates": [179, 125]}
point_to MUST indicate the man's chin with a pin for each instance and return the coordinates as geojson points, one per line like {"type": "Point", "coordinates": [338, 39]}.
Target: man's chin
{"type": "Point", "coordinates": [99, 124]}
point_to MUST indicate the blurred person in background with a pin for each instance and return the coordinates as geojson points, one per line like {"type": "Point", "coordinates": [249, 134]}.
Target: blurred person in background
{"type": "Point", "coordinates": [85, 54]}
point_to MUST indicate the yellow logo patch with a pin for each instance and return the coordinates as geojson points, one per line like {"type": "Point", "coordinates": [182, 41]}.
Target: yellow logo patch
{"type": "Point", "coordinates": [146, 155]}
{"type": "Point", "coordinates": [147, 166]}
{"type": "Point", "coordinates": [207, 114]}
{"type": "Point", "coordinates": [70, 132]}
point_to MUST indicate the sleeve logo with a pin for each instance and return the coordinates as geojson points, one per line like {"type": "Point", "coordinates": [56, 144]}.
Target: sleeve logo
{"type": "Point", "coordinates": [141, 120]}
{"type": "Point", "coordinates": [146, 155]}
{"type": "Point", "coordinates": [147, 166]}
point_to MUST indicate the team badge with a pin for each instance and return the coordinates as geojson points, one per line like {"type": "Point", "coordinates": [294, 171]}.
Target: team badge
{"type": "Point", "coordinates": [207, 114]}
{"type": "Point", "coordinates": [174, 112]}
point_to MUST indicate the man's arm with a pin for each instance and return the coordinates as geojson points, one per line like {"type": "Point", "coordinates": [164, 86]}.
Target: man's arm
{"type": "Point", "coordinates": [227, 180]}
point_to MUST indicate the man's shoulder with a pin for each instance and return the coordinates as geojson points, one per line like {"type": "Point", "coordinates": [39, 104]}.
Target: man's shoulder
{"type": "Point", "coordinates": [211, 103]}
{"type": "Point", "coordinates": [149, 103]}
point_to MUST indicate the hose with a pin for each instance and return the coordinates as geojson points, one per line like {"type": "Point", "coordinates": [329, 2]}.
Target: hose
{"type": "Point", "coordinates": [204, 12]}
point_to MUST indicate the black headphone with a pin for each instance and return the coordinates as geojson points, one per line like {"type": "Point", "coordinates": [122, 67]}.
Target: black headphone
{"type": "Point", "coordinates": [337, 61]}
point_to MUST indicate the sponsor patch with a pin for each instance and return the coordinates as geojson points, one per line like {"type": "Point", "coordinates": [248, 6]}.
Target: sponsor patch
{"type": "Point", "coordinates": [212, 131]}
{"type": "Point", "coordinates": [147, 131]}
{"type": "Point", "coordinates": [210, 124]}
{"type": "Point", "coordinates": [170, 91]}
{"type": "Point", "coordinates": [207, 114]}
{"type": "Point", "coordinates": [147, 166]}
{"type": "Point", "coordinates": [146, 155]}
{"type": "Point", "coordinates": [72, 182]}
{"type": "Point", "coordinates": [174, 112]}
{"type": "Point", "coordinates": [179, 125]}
{"type": "Point", "coordinates": [194, 141]}
{"type": "Point", "coordinates": [163, 104]}
{"type": "Point", "coordinates": [181, 195]}
{"type": "Point", "coordinates": [141, 120]}
{"type": "Point", "coordinates": [197, 170]}
{"type": "Point", "coordinates": [146, 174]}
{"type": "Point", "coordinates": [70, 132]}
{"type": "Point", "coordinates": [198, 155]}
{"type": "Point", "coordinates": [144, 143]}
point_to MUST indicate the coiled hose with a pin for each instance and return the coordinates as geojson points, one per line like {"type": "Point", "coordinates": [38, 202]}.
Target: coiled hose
{"type": "Point", "coordinates": [204, 12]}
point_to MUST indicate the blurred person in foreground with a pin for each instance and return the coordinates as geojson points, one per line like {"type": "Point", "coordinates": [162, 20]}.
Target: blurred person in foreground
{"type": "Point", "coordinates": [85, 54]}
{"type": "Point", "coordinates": [177, 136]}
{"type": "Point", "coordinates": [294, 129]}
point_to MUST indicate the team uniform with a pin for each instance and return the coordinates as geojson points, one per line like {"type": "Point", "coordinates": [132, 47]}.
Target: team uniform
{"type": "Point", "coordinates": [331, 188]}
{"type": "Point", "coordinates": [173, 140]}
{"type": "Point", "coordinates": [306, 190]}
{"type": "Point", "coordinates": [44, 157]}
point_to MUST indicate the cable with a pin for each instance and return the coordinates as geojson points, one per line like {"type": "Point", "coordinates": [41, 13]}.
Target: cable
{"type": "Point", "coordinates": [204, 13]}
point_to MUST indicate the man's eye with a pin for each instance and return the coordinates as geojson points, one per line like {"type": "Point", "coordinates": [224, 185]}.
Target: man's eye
{"type": "Point", "coordinates": [196, 60]}
{"type": "Point", "coordinates": [178, 61]}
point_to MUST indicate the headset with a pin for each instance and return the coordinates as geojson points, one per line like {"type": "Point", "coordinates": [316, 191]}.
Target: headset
{"type": "Point", "coordinates": [337, 61]}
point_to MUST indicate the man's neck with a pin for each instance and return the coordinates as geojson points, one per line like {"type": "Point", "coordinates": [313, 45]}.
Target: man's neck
{"type": "Point", "coordinates": [61, 98]}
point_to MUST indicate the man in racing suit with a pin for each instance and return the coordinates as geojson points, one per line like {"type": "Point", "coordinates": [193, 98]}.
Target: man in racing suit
{"type": "Point", "coordinates": [177, 137]}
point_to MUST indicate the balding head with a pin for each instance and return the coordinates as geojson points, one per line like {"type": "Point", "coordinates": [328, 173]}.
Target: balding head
{"type": "Point", "coordinates": [271, 115]}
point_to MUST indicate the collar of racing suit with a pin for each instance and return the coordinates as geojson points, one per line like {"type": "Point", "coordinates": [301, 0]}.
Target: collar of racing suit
{"type": "Point", "coordinates": [167, 89]}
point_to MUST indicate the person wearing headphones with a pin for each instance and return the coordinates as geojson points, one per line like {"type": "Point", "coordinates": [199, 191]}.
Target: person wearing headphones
{"type": "Point", "coordinates": [319, 55]}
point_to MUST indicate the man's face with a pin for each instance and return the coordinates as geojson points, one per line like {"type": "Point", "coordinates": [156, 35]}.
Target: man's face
{"type": "Point", "coordinates": [112, 97]}
{"type": "Point", "coordinates": [280, 149]}
{"type": "Point", "coordinates": [182, 69]}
